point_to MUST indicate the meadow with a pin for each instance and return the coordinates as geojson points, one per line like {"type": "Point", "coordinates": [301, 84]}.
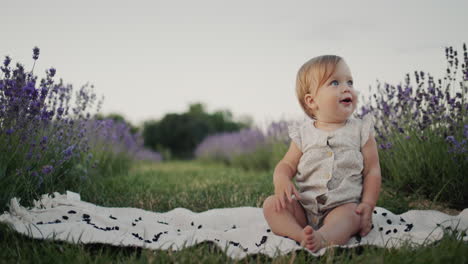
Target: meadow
{"type": "Point", "coordinates": [47, 144]}
{"type": "Point", "coordinates": [199, 187]}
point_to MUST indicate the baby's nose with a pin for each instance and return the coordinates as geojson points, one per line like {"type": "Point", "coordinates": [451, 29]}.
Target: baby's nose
{"type": "Point", "coordinates": [346, 88]}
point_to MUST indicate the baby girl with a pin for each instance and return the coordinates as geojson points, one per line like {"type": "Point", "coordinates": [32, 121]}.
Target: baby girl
{"type": "Point", "coordinates": [333, 157]}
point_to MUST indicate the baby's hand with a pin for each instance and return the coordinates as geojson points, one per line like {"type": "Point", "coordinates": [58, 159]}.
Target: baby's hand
{"type": "Point", "coordinates": [284, 187]}
{"type": "Point", "coordinates": [365, 211]}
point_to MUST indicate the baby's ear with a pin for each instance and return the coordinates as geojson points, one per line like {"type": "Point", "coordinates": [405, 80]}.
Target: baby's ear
{"type": "Point", "coordinates": [309, 101]}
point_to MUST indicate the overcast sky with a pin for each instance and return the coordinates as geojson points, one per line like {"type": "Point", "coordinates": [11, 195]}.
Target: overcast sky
{"type": "Point", "coordinates": [149, 58]}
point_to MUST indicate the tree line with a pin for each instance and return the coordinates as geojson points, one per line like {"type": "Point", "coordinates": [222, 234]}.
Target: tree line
{"type": "Point", "coordinates": [176, 135]}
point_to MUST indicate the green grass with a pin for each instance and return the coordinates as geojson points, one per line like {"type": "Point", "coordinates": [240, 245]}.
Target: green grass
{"type": "Point", "coordinates": [199, 187]}
{"type": "Point", "coordinates": [426, 168]}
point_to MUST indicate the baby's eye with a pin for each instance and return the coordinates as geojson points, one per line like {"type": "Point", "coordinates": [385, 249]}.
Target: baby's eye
{"type": "Point", "coordinates": [335, 81]}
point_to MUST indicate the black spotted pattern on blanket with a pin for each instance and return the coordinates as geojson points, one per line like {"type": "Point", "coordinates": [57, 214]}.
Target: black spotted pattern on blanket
{"type": "Point", "coordinates": [384, 222]}
{"type": "Point", "coordinates": [74, 216]}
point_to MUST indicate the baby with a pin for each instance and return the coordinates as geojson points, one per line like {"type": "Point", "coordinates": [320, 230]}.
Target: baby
{"type": "Point", "coordinates": [333, 157]}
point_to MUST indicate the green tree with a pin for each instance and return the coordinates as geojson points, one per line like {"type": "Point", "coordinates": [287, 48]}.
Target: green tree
{"type": "Point", "coordinates": [178, 135]}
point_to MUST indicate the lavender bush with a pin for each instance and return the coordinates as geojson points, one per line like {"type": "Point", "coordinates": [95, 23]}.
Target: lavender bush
{"type": "Point", "coordinates": [41, 142]}
{"type": "Point", "coordinates": [249, 148]}
{"type": "Point", "coordinates": [44, 138]}
{"type": "Point", "coordinates": [223, 146]}
{"type": "Point", "coordinates": [115, 147]}
{"type": "Point", "coordinates": [422, 129]}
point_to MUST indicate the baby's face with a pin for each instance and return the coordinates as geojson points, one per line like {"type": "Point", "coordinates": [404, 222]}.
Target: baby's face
{"type": "Point", "coordinates": [328, 103]}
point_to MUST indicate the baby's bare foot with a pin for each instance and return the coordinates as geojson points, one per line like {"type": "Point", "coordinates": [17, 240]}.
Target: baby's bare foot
{"type": "Point", "coordinates": [312, 239]}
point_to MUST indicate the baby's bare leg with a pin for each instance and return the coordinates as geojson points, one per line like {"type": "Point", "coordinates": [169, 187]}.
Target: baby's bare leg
{"type": "Point", "coordinates": [290, 221]}
{"type": "Point", "coordinates": [340, 224]}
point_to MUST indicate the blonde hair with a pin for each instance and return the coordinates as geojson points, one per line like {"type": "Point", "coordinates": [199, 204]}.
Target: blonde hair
{"type": "Point", "coordinates": [312, 75]}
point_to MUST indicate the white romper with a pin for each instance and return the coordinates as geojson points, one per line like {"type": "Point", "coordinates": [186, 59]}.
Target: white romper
{"type": "Point", "coordinates": [329, 172]}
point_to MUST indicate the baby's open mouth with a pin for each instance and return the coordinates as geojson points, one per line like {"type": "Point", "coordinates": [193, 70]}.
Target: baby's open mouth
{"type": "Point", "coordinates": [347, 100]}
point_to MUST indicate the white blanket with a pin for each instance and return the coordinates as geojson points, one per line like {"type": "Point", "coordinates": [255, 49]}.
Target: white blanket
{"type": "Point", "coordinates": [240, 231]}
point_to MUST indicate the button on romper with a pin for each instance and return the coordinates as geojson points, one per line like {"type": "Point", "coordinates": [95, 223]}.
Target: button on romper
{"type": "Point", "coordinates": [329, 172]}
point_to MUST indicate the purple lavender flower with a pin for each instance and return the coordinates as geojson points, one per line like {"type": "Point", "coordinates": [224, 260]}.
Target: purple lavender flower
{"type": "Point", "coordinates": [43, 140]}
{"type": "Point", "coordinates": [47, 169]}
{"type": "Point", "coordinates": [364, 111]}
{"type": "Point", "coordinates": [387, 145]}
{"type": "Point", "coordinates": [69, 151]}
{"type": "Point", "coordinates": [7, 61]}
{"type": "Point", "coordinates": [59, 111]}
{"type": "Point", "coordinates": [35, 53]}
{"type": "Point", "coordinates": [44, 92]}
{"type": "Point", "coordinates": [29, 88]}
{"type": "Point", "coordinates": [52, 72]}
{"type": "Point", "coordinates": [451, 139]}
{"type": "Point", "coordinates": [458, 147]}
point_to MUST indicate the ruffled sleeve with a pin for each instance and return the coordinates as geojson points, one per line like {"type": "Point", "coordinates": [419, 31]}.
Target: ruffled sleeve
{"type": "Point", "coordinates": [367, 128]}
{"type": "Point", "coordinates": [295, 134]}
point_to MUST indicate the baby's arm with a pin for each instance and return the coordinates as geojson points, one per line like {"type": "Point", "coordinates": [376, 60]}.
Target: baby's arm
{"type": "Point", "coordinates": [371, 186]}
{"type": "Point", "coordinates": [371, 172]}
{"type": "Point", "coordinates": [288, 165]}
{"type": "Point", "coordinates": [283, 174]}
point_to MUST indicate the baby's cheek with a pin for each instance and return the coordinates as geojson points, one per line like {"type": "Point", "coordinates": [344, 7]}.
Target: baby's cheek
{"type": "Point", "coordinates": [356, 101]}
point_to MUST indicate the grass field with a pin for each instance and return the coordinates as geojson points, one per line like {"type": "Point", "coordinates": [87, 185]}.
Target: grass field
{"type": "Point", "coordinates": [199, 187]}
